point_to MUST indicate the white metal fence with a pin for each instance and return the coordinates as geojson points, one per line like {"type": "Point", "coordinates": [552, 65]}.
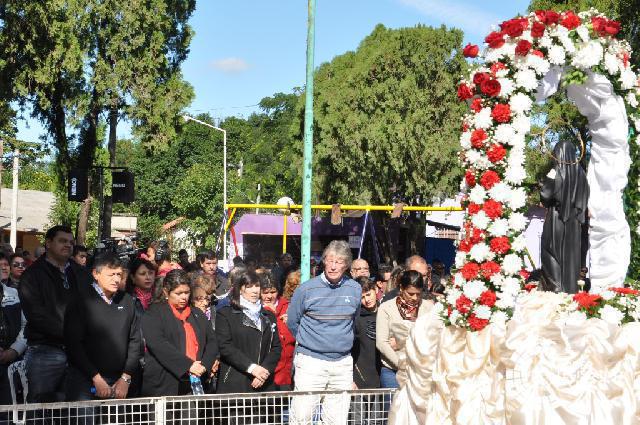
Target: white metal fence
{"type": "Point", "coordinates": [277, 408]}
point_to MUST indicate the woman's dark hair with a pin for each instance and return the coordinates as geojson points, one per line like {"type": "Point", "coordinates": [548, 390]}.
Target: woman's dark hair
{"type": "Point", "coordinates": [171, 281]}
{"type": "Point", "coordinates": [411, 278]}
{"type": "Point", "coordinates": [438, 288]}
{"type": "Point", "coordinates": [244, 279]}
{"type": "Point", "coordinates": [366, 284]}
{"type": "Point", "coordinates": [133, 268]}
{"type": "Point", "coordinates": [266, 281]}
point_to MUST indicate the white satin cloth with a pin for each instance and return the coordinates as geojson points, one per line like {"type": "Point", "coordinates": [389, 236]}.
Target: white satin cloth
{"type": "Point", "coordinates": [543, 368]}
{"type": "Point", "coordinates": [609, 234]}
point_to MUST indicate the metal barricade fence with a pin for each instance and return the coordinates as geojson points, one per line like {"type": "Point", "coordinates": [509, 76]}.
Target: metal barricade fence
{"type": "Point", "coordinates": [369, 407]}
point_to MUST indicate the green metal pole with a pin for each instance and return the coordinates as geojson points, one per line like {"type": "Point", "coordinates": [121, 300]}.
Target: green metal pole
{"type": "Point", "coordinates": [308, 148]}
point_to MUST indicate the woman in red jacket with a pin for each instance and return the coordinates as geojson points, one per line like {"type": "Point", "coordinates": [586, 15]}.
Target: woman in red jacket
{"type": "Point", "coordinates": [279, 305]}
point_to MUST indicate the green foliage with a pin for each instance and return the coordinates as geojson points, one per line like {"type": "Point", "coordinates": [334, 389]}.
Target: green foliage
{"type": "Point", "coordinates": [387, 118]}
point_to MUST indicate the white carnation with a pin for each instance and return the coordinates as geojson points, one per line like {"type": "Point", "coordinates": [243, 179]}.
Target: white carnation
{"type": "Point", "coordinates": [611, 63]}
{"type": "Point", "coordinates": [504, 133]}
{"type": "Point", "coordinates": [511, 285]}
{"type": "Point", "coordinates": [512, 264]}
{"type": "Point", "coordinates": [499, 227]}
{"type": "Point", "coordinates": [526, 79]}
{"type": "Point", "coordinates": [482, 312]}
{"type": "Point", "coordinates": [500, 192]}
{"type": "Point", "coordinates": [631, 99]}
{"type": "Point", "coordinates": [473, 289]}
{"type": "Point", "coordinates": [460, 258]}
{"type": "Point", "coordinates": [499, 318]}
{"type": "Point", "coordinates": [506, 300]}
{"type": "Point", "coordinates": [480, 220]}
{"type": "Point", "coordinates": [567, 43]}
{"type": "Point", "coordinates": [557, 55]}
{"type": "Point", "coordinates": [458, 279]}
{"type": "Point", "coordinates": [583, 32]}
{"type": "Point", "coordinates": [465, 140]}
{"type": "Point", "coordinates": [540, 65]}
{"type": "Point", "coordinates": [480, 252]}
{"type": "Point", "coordinates": [497, 279]}
{"type": "Point", "coordinates": [478, 194]}
{"type": "Point", "coordinates": [483, 118]}
{"type": "Point", "coordinates": [518, 199]}
{"type": "Point", "coordinates": [518, 222]}
{"type": "Point", "coordinates": [518, 140]}
{"type": "Point", "coordinates": [522, 124]}
{"type": "Point", "coordinates": [611, 315]}
{"type": "Point", "coordinates": [519, 244]}
{"type": "Point", "coordinates": [588, 55]}
{"type": "Point", "coordinates": [520, 103]}
{"type": "Point", "coordinates": [545, 41]}
{"type": "Point", "coordinates": [506, 87]}
{"type": "Point", "coordinates": [452, 295]}
{"type": "Point", "coordinates": [455, 315]}
{"type": "Point", "coordinates": [515, 174]}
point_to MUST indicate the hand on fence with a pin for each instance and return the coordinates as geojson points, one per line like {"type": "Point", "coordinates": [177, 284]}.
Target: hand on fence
{"type": "Point", "coordinates": [103, 390]}
{"type": "Point", "coordinates": [260, 372]}
{"type": "Point", "coordinates": [120, 389]}
{"type": "Point", "coordinates": [257, 383]}
{"type": "Point", "coordinates": [197, 369]}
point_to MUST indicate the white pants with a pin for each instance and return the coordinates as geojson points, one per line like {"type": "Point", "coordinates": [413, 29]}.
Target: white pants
{"type": "Point", "coordinates": [313, 374]}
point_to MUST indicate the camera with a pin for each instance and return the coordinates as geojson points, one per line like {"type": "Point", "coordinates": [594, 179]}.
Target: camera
{"type": "Point", "coordinates": [125, 248]}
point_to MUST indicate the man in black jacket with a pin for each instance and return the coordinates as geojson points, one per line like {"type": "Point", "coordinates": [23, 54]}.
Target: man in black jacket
{"type": "Point", "coordinates": [46, 288]}
{"type": "Point", "coordinates": [102, 336]}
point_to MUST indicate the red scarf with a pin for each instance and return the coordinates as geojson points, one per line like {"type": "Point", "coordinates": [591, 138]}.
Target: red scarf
{"type": "Point", "coordinates": [144, 295]}
{"type": "Point", "coordinates": [191, 340]}
{"type": "Point", "coordinates": [408, 311]}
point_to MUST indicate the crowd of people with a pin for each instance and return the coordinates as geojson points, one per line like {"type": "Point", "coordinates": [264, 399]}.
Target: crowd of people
{"type": "Point", "coordinates": [102, 329]}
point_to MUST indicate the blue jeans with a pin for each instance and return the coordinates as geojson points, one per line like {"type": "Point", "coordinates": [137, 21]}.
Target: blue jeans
{"type": "Point", "coordinates": [388, 378]}
{"type": "Point", "coordinates": [46, 367]}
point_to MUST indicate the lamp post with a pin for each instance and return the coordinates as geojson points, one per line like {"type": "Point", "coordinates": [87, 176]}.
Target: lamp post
{"type": "Point", "coordinates": [188, 118]}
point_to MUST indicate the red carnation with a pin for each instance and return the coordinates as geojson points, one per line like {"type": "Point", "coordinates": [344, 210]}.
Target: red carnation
{"type": "Point", "coordinates": [495, 40]}
{"type": "Point", "coordinates": [449, 311]}
{"type": "Point", "coordinates": [465, 246]}
{"type": "Point", "coordinates": [570, 21]}
{"type": "Point", "coordinates": [464, 92]}
{"type": "Point", "coordinates": [488, 269]}
{"type": "Point", "coordinates": [525, 274]}
{"type": "Point", "coordinates": [586, 300]}
{"type": "Point", "coordinates": [470, 271]}
{"type": "Point", "coordinates": [496, 153]}
{"type": "Point", "coordinates": [530, 286]}
{"type": "Point", "coordinates": [478, 136]}
{"type": "Point", "coordinates": [514, 27]}
{"type": "Point", "coordinates": [549, 17]}
{"type": "Point", "coordinates": [625, 291]}
{"type": "Point", "coordinates": [470, 51]}
{"type": "Point", "coordinates": [537, 30]}
{"type": "Point", "coordinates": [493, 209]}
{"type": "Point", "coordinates": [470, 178]}
{"type": "Point", "coordinates": [490, 87]}
{"type": "Point", "coordinates": [612, 27]}
{"type": "Point", "coordinates": [463, 304]}
{"type": "Point", "coordinates": [488, 298]}
{"type": "Point", "coordinates": [464, 127]}
{"type": "Point", "coordinates": [481, 77]}
{"type": "Point", "coordinates": [477, 235]}
{"type": "Point", "coordinates": [501, 113]}
{"type": "Point", "coordinates": [598, 23]}
{"type": "Point", "coordinates": [498, 66]}
{"type": "Point", "coordinates": [477, 324]}
{"type": "Point", "coordinates": [537, 53]}
{"type": "Point", "coordinates": [500, 245]}
{"type": "Point", "coordinates": [523, 47]}
{"type": "Point", "coordinates": [489, 178]}
{"type": "Point", "coordinates": [473, 208]}
{"type": "Point", "coordinates": [476, 105]}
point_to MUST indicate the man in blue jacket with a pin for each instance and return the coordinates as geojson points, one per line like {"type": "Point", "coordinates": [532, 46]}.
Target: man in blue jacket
{"type": "Point", "coordinates": [321, 316]}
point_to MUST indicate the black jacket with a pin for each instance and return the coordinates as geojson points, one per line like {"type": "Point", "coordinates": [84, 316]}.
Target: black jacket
{"type": "Point", "coordinates": [165, 362]}
{"type": "Point", "coordinates": [44, 299]}
{"type": "Point", "coordinates": [243, 344]}
{"type": "Point", "coordinates": [103, 338]}
{"type": "Point", "coordinates": [366, 358]}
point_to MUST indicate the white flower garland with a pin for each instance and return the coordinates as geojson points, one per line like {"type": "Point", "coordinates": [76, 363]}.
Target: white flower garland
{"type": "Point", "coordinates": [500, 93]}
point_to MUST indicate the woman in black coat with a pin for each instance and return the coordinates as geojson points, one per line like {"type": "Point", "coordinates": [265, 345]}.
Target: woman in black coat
{"type": "Point", "coordinates": [248, 340]}
{"type": "Point", "coordinates": [180, 341]}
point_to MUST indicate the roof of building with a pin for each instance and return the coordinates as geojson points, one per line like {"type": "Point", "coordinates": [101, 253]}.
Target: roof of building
{"type": "Point", "coordinates": [34, 207]}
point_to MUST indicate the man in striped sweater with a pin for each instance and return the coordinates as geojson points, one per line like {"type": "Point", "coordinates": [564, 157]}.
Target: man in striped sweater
{"type": "Point", "coordinates": [321, 316]}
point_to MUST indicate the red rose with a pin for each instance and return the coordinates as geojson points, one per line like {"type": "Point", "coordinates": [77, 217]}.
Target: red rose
{"type": "Point", "coordinates": [537, 53]}
{"type": "Point", "coordinates": [498, 66]}
{"type": "Point", "coordinates": [549, 17]}
{"type": "Point", "coordinates": [625, 291]}
{"type": "Point", "coordinates": [496, 153]}
{"type": "Point", "coordinates": [500, 245]}
{"type": "Point", "coordinates": [478, 136]}
{"type": "Point", "coordinates": [495, 40]}
{"type": "Point", "coordinates": [470, 178]}
{"type": "Point", "coordinates": [463, 304]}
{"type": "Point", "coordinates": [490, 87]}
{"type": "Point", "coordinates": [488, 298]}
{"type": "Point", "coordinates": [489, 178]}
{"type": "Point", "coordinates": [470, 271]}
{"type": "Point", "coordinates": [488, 269]}
{"type": "Point", "coordinates": [493, 209]}
{"type": "Point", "coordinates": [570, 20]}
{"type": "Point", "coordinates": [473, 208]}
{"type": "Point", "coordinates": [537, 29]}
{"type": "Point", "coordinates": [476, 105]}
{"type": "Point", "coordinates": [514, 27]}
{"type": "Point", "coordinates": [477, 324]}
{"type": "Point", "coordinates": [523, 47]}
{"type": "Point", "coordinates": [477, 235]}
{"type": "Point", "coordinates": [481, 77]}
{"type": "Point", "coordinates": [465, 246]}
{"type": "Point", "coordinates": [612, 28]}
{"type": "Point", "coordinates": [501, 113]}
{"type": "Point", "coordinates": [586, 300]}
{"type": "Point", "coordinates": [470, 51]}
{"type": "Point", "coordinates": [464, 92]}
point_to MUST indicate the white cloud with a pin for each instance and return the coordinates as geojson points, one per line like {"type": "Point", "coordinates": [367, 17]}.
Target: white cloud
{"type": "Point", "coordinates": [467, 17]}
{"type": "Point", "coordinates": [230, 65]}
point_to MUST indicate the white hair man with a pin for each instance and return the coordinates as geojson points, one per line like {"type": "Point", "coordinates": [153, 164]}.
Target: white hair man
{"type": "Point", "coordinates": [359, 268]}
{"type": "Point", "coordinates": [321, 316]}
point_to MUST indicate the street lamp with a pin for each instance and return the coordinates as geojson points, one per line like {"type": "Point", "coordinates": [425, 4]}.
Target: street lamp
{"type": "Point", "coordinates": [188, 118]}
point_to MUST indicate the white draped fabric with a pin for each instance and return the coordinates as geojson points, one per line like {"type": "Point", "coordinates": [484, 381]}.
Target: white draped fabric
{"type": "Point", "coordinates": [542, 368]}
{"type": "Point", "coordinates": [609, 235]}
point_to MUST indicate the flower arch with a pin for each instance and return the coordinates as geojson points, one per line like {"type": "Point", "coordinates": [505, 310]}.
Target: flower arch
{"type": "Point", "coordinates": [525, 61]}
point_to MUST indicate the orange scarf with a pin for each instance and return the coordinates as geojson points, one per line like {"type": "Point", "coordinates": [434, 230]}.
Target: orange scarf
{"type": "Point", "coordinates": [191, 340]}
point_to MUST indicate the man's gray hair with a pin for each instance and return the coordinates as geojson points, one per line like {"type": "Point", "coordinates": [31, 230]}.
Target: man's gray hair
{"type": "Point", "coordinates": [340, 249]}
{"type": "Point", "coordinates": [414, 260]}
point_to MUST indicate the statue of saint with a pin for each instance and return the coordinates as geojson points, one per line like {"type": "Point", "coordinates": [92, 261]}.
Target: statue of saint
{"type": "Point", "coordinates": [565, 194]}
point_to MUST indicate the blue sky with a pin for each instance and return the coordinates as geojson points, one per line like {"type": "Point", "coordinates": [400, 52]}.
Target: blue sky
{"type": "Point", "coordinates": [244, 50]}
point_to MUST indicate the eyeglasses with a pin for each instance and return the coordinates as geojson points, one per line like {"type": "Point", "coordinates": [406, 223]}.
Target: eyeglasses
{"type": "Point", "coordinates": [19, 265]}
{"type": "Point", "coordinates": [357, 269]}
{"type": "Point", "coordinates": [201, 299]}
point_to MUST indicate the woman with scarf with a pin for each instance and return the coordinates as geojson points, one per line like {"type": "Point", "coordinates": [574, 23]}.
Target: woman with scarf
{"type": "Point", "coordinates": [180, 341]}
{"type": "Point", "coordinates": [395, 319]}
{"type": "Point", "coordinates": [140, 283]}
